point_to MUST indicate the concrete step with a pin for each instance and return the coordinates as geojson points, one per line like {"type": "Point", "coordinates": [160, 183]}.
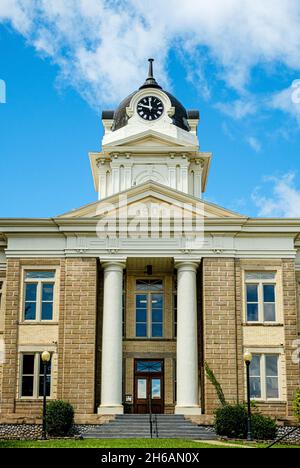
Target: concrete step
{"type": "Point", "coordinates": [138, 426]}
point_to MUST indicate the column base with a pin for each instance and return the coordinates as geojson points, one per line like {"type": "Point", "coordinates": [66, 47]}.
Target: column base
{"type": "Point", "coordinates": [108, 410]}
{"type": "Point", "coordinates": [188, 410]}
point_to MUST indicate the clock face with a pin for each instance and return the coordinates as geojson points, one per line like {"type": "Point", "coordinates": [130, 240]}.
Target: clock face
{"type": "Point", "coordinates": [150, 108]}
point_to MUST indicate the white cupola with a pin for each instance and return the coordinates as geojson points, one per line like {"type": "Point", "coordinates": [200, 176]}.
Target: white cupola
{"type": "Point", "coordinates": [150, 137]}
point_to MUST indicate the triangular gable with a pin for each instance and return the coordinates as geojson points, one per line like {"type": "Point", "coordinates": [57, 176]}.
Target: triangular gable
{"type": "Point", "coordinates": [151, 193]}
{"type": "Point", "coordinates": [150, 138]}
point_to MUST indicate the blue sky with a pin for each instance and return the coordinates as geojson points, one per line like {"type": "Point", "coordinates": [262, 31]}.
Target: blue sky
{"type": "Point", "coordinates": [62, 67]}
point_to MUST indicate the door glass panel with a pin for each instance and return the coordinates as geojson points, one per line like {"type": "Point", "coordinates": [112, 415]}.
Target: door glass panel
{"type": "Point", "coordinates": [142, 389]}
{"type": "Point", "coordinates": [156, 389]}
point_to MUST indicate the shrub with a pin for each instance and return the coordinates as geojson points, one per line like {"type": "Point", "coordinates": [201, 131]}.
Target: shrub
{"type": "Point", "coordinates": [231, 421]}
{"type": "Point", "coordinates": [263, 428]}
{"type": "Point", "coordinates": [297, 404]}
{"type": "Point", "coordinates": [59, 418]}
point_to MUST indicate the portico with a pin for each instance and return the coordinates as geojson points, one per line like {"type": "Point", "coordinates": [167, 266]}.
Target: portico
{"type": "Point", "coordinates": [184, 341]}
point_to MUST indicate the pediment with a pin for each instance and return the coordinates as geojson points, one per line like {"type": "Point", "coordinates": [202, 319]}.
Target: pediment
{"type": "Point", "coordinates": [152, 139]}
{"type": "Point", "coordinates": [149, 196]}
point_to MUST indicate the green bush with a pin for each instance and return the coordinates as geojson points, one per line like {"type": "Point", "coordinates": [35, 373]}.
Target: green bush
{"type": "Point", "coordinates": [59, 418]}
{"type": "Point", "coordinates": [231, 421]}
{"type": "Point", "coordinates": [263, 428]}
{"type": "Point", "coordinates": [297, 404]}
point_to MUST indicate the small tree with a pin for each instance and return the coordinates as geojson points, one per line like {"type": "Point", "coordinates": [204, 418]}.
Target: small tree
{"type": "Point", "coordinates": [212, 378]}
{"type": "Point", "coordinates": [297, 404]}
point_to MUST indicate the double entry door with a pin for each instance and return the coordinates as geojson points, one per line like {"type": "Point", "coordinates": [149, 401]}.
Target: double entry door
{"type": "Point", "coordinates": [149, 386]}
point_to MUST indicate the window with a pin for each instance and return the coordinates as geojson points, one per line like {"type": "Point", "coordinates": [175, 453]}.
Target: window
{"type": "Point", "coordinates": [39, 295]}
{"type": "Point", "coordinates": [149, 303]}
{"type": "Point", "coordinates": [264, 377]}
{"type": "Point", "coordinates": [32, 376]}
{"type": "Point", "coordinates": [261, 297]}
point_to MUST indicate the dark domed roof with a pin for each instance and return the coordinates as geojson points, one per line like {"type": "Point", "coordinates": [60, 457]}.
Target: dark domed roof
{"type": "Point", "coordinates": [180, 117]}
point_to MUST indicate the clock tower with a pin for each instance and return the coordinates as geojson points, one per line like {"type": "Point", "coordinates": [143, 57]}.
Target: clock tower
{"type": "Point", "coordinates": [150, 137]}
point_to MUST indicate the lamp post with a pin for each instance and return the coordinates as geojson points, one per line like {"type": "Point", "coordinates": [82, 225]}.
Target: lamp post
{"type": "Point", "coordinates": [248, 359]}
{"type": "Point", "coordinates": [46, 356]}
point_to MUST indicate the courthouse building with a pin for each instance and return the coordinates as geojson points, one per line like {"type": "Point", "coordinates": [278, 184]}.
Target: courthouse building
{"type": "Point", "coordinates": [134, 293]}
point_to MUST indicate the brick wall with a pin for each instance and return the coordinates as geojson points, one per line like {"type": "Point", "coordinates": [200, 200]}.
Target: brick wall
{"type": "Point", "coordinates": [290, 308]}
{"type": "Point", "coordinates": [77, 336]}
{"type": "Point", "coordinates": [9, 378]}
{"type": "Point", "coordinates": [222, 339]}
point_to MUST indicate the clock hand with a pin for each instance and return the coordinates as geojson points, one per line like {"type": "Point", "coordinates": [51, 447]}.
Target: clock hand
{"type": "Point", "coordinates": [147, 107]}
{"type": "Point", "coordinates": [150, 101]}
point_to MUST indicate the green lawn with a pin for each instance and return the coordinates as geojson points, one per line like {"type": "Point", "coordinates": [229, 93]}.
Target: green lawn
{"type": "Point", "coordinates": [128, 443]}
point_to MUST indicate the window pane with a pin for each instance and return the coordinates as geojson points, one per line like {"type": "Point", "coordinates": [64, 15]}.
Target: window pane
{"type": "Point", "coordinates": [255, 388]}
{"type": "Point", "coordinates": [157, 330]}
{"type": "Point", "coordinates": [272, 387]}
{"type": "Point", "coordinates": [142, 389]}
{"type": "Point", "coordinates": [269, 312]}
{"type": "Point", "coordinates": [30, 294]}
{"type": "Point", "coordinates": [40, 274]}
{"type": "Point", "coordinates": [141, 330]}
{"type": "Point", "coordinates": [149, 366]}
{"type": "Point", "coordinates": [47, 292]}
{"type": "Point", "coordinates": [30, 311]}
{"type": "Point", "coordinates": [47, 311]}
{"type": "Point", "coordinates": [157, 301]}
{"type": "Point", "coordinates": [252, 293]}
{"type": "Point", "coordinates": [255, 366]}
{"type": "Point", "coordinates": [157, 315]}
{"type": "Point", "coordinates": [269, 293]}
{"type": "Point", "coordinates": [48, 385]}
{"type": "Point", "coordinates": [252, 312]}
{"type": "Point", "coordinates": [28, 364]}
{"type": "Point", "coordinates": [156, 388]}
{"type": "Point", "coordinates": [27, 386]}
{"type": "Point", "coordinates": [260, 275]}
{"type": "Point", "coordinates": [141, 315]}
{"type": "Point", "coordinates": [141, 301]}
{"type": "Point", "coordinates": [271, 366]}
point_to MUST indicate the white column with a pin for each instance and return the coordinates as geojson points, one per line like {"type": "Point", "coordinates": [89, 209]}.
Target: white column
{"type": "Point", "coordinates": [187, 340]}
{"type": "Point", "coordinates": [111, 372]}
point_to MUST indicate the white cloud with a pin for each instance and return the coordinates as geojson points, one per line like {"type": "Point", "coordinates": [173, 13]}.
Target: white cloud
{"type": "Point", "coordinates": [239, 108]}
{"type": "Point", "coordinates": [284, 200]}
{"type": "Point", "coordinates": [101, 45]}
{"type": "Point", "coordinates": [254, 143]}
{"type": "Point", "coordinates": [288, 100]}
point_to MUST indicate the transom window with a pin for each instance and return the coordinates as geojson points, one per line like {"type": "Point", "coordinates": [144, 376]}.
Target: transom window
{"type": "Point", "coordinates": [149, 366]}
{"type": "Point", "coordinates": [149, 309]}
{"type": "Point", "coordinates": [264, 377]}
{"type": "Point", "coordinates": [32, 376]}
{"type": "Point", "coordinates": [39, 295]}
{"type": "Point", "coordinates": [261, 297]}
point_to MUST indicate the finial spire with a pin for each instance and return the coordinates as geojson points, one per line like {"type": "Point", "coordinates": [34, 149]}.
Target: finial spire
{"type": "Point", "coordinates": [150, 81]}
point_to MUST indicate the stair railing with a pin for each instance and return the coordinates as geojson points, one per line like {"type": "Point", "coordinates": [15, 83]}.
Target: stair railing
{"type": "Point", "coordinates": [150, 416]}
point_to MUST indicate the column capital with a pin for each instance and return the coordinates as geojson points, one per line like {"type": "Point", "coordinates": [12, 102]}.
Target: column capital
{"type": "Point", "coordinates": [114, 265]}
{"type": "Point", "coordinates": [187, 265]}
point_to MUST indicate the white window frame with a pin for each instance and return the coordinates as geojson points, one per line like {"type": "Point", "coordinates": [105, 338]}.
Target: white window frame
{"type": "Point", "coordinates": [263, 377]}
{"type": "Point", "coordinates": [36, 376]}
{"type": "Point", "coordinates": [261, 283]}
{"type": "Point", "coordinates": [149, 293]}
{"type": "Point", "coordinates": [39, 282]}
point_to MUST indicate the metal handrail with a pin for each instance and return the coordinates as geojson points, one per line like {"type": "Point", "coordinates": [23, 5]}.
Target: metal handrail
{"type": "Point", "coordinates": [156, 426]}
{"type": "Point", "coordinates": [150, 416]}
{"type": "Point", "coordinates": [283, 437]}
